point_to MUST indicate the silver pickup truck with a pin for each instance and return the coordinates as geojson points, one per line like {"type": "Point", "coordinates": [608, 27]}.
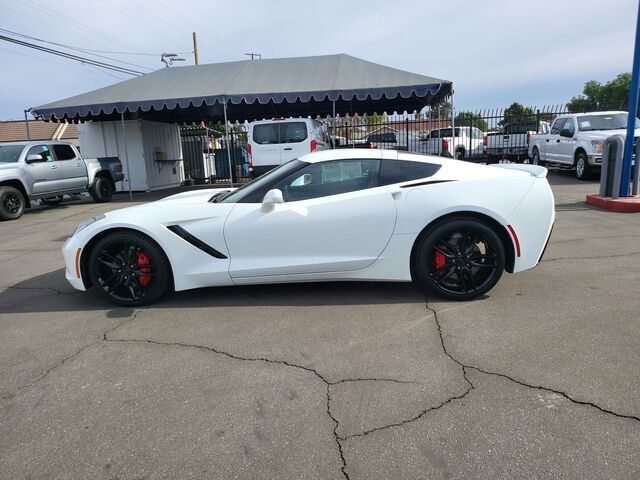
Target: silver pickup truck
{"type": "Point", "coordinates": [47, 171]}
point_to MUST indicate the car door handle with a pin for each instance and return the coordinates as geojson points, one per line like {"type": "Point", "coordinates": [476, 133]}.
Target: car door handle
{"type": "Point", "coordinates": [54, 166]}
{"type": "Point", "coordinates": [288, 148]}
{"type": "Point", "coordinates": [79, 164]}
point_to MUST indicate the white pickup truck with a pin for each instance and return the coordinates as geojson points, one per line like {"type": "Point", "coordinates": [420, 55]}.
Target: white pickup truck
{"type": "Point", "coordinates": [576, 141]}
{"type": "Point", "coordinates": [48, 170]}
{"type": "Point", "coordinates": [513, 140]}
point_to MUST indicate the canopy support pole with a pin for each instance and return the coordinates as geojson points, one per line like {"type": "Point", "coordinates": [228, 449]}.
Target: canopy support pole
{"type": "Point", "coordinates": [453, 129]}
{"type": "Point", "coordinates": [126, 156]}
{"type": "Point", "coordinates": [26, 124]}
{"type": "Point", "coordinates": [333, 117]}
{"type": "Point", "coordinates": [226, 129]}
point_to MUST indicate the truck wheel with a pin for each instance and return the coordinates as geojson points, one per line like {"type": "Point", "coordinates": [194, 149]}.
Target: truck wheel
{"type": "Point", "coordinates": [583, 172]}
{"type": "Point", "coordinates": [102, 190]}
{"type": "Point", "coordinates": [460, 154]}
{"type": "Point", "coordinates": [12, 203]}
{"type": "Point", "coordinates": [535, 158]}
{"type": "Point", "coordinates": [492, 159]}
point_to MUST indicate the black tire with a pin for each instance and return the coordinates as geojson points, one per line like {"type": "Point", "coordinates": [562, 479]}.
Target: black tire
{"type": "Point", "coordinates": [492, 159]}
{"type": "Point", "coordinates": [129, 269]}
{"type": "Point", "coordinates": [581, 165]}
{"type": "Point", "coordinates": [102, 190]}
{"type": "Point", "coordinates": [12, 203]}
{"type": "Point", "coordinates": [460, 259]}
{"type": "Point", "coordinates": [51, 200]}
{"type": "Point", "coordinates": [460, 154]}
{"type": "Point", "coordinates": [535, 158]}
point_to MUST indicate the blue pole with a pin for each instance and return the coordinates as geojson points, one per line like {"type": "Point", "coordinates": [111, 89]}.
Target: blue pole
{"type": "Point", "coordinates": [633, 112]}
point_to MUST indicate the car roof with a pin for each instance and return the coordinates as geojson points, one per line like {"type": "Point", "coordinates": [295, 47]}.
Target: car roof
{"type": "Point", "coordinates": [26, 143]}
{"type": "Point", "coordinates": [367, 153]}
{"type": "Point", "coordinates": [281, 120]}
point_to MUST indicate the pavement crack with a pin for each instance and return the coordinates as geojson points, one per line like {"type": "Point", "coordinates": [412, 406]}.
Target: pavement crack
{"type": "Point", "coordinates": [232, 356]}
{"type": "Point", "coordinates": [390, 380]}
{"type": "Point", "coordinates": [519, 382]}
{"type": "Point", "coordinates": [70, 358]}
{"type": "Point", "coordinates": [48, 371]}
{"type": "Point", "coordinates": [558, 392]}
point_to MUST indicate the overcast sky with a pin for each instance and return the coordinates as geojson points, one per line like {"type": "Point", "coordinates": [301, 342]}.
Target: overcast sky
{"type": "Point", "coordinates": [495, 51]}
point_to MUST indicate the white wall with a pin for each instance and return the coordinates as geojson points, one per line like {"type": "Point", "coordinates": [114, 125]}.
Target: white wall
{"type": "Point", "coordinates": [144, 139]}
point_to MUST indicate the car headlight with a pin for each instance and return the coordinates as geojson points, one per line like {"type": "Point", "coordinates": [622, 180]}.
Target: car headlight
{"type": "Point", "coordinates": [84, 224]}
{"type": "Point", "coordinates": [597, 146]}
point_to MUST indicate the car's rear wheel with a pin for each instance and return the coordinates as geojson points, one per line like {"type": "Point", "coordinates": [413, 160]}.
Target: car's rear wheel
{"type": "Point", "coordinates": [129, 269]}
{"type": "Point", "coordinates": [102, 190]}
{"type": "Point", "coordinates": [12, 203]}
{"type": "Point", "coordinates": [535, 158]}
{"type": "Point", "coordinates": [460, 259]}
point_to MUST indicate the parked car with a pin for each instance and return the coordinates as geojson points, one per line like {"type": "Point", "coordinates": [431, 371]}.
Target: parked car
{"type": "Point", "coordinates": [576, 140]}
{"type": "Point", "coordinates": [47, 171]}
{"type": "Point", "coordinates": [512, 142]}
{"type": "Point", "coordinates": [467, 145]}
{"type": "Point", "coordinates": [336, 215]}
{"type": "Point", "coordinates": [273, 142]}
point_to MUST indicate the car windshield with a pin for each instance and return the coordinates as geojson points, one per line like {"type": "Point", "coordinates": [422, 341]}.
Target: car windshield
{"type": "Point", "coordinates": [256, 186]}
{"type": "Point", "coordinates": [10, 153]}
{"type": "Point", "coordinates": [611, 121]}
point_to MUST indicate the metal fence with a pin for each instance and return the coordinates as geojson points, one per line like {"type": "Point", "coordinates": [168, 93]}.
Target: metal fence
{"type": "Point", "coordinates": [481, 136]}
{"type": "Point", "coordinates": [205, 154]}
{"type": "Point", "coordinates": [488, 135]}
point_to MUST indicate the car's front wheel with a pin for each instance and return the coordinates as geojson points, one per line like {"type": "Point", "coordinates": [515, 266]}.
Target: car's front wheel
{"type": "Point", "coordinates": [460, 259]}
{"type": "Point", "coordinates": [583, 171]}
{"type": "Point", "coordinates": [128, 268]}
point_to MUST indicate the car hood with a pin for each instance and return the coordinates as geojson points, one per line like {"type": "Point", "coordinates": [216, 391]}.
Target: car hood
{"type": "Point", "coordinates": [604, 134]}
{"type": "Point", "coordinates": [8, 165]}
{"type": "Point", "coordinates": [193, 196]}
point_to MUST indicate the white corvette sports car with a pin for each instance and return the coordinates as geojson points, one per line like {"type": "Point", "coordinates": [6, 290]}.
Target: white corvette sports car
{"type": "Point", "coordinates": [328, 216]}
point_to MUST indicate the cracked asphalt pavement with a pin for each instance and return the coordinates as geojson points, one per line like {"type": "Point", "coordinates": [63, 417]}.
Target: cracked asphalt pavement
{"type": "Point", "coordinates": [539, 379]}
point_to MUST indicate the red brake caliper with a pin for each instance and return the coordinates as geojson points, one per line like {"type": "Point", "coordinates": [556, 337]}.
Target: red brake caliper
{"type": "Point", "coordinates": [439, 259]}
{"type": "Point", "coordinates": [143, 259]}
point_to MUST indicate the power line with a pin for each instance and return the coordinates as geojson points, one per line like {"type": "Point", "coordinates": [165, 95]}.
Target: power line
{"type": "Point", "coordinates": [70, 47]}
{"type": "Point", "coordinates": [78, 58]}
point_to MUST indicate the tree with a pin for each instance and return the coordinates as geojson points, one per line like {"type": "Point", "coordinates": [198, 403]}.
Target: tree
{"type": "Point", "coordinates": [518, 113]}
{"type": "Point", "coordinates": [613, 95]}
{"type": "Point", "coordinates": [470, 119]}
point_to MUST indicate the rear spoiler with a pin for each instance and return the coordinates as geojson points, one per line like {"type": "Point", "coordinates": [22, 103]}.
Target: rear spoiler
{"type": "Point", "coordinates": [534, 170]}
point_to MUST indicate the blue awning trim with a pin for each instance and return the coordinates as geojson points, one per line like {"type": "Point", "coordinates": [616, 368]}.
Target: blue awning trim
{"type": "Point", "coordinates": [83, 111]}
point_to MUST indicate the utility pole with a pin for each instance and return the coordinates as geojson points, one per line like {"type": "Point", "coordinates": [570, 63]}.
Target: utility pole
{"type": "Point", "coordinates": [254, 55]}
{"type": "Point", "coordinates": [195, 48]}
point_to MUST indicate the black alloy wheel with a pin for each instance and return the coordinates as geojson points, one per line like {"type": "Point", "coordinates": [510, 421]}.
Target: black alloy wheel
{"type": "Point", "coordinates": [460, 259]}
{"type": "Point", "coordinates": [129, 269]}
{"type": "Point", "coordinates": [12, 203]}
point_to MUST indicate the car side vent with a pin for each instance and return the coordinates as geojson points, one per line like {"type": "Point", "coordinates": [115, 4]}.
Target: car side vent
{"type": "Point", "coordinates": [195, 241]}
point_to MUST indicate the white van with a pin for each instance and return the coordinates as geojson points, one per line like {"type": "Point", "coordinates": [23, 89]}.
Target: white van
{"type": "Point", "coordinates": [273, 142]}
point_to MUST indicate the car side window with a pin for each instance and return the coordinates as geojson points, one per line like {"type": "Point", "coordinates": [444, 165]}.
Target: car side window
{"type": "Point", "coordinates": [557, 126]}
{"type": "Point", "coordinates": [64, 152]}
{"type": "Point", "coordinates": [569, 125]}
{"type": "Point", "coordinates": [398, 171]}
{"type": "Point", "coordinates": [329, 178]}
{"type": "Point", "coordinates": [43, 151]}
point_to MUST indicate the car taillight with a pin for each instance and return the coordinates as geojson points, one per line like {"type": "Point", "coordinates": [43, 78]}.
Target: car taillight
{"type": "Point", "coordinates": [484, 140]}
{"type": "Point", "coordinates": [314, 145]}
{"type": "Point", "coordinates": [445, 145]}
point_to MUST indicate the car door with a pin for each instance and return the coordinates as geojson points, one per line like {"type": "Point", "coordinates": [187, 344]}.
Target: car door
{"type": "Point", "coordinates": [334, 219]}
{"type": "Point", "coordinates": [73, 170]}
{"type": "Point", "coordinates": [552, 142]}
{"type": "Point", "coordinates": [44, 172]}
{"type": "Point", "coordinates": [566, 145]}
{"type": "Point", "coordinates": [265, 144]}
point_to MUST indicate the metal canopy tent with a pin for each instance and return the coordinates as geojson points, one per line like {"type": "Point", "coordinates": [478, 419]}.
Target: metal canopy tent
{"type": "Point", "coordinates": [255, 89]}
{"type": "Point", "coordinates": [248, 90]}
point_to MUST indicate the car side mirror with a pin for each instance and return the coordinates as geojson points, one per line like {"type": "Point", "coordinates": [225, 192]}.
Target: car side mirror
{"type": "Point", "coordinates": [271, 199]}
{"type": "Point", "coordinates": [34, 157]}
{"type": "Point", "coordinates": [566, 133]}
